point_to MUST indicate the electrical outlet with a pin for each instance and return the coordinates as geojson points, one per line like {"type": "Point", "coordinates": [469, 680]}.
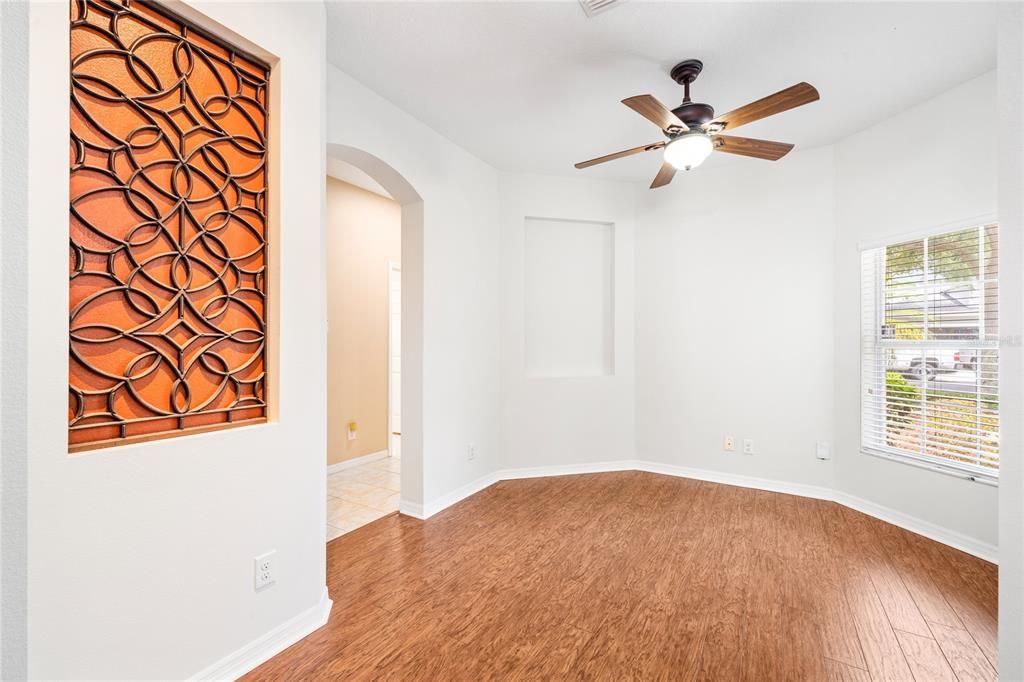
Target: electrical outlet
{"type": "Point", "coordinates": [823, 451]}
{"type": "Point", "coordinates": [263, 565]}
{"type": "Point", "coordinates": [729, 444]}
{"type": "Point", "coordinates": [748, 446]}
{"type": "Point", "coordinates": [471, 452]}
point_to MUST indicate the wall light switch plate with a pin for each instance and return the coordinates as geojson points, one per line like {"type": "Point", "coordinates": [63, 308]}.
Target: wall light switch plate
{"type": "Point", "coordinates": [748, 446]}
{"type": "Point", "coordinates": [263, 565]}
{"type": "Point", "coordinates": [728, 443]}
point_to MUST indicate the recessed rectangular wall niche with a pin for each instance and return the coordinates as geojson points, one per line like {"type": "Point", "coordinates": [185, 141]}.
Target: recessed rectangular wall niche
{"type": "Point", "coordinates": [168, 262]}
{"type": "Point", "coordinates": [569, 299]}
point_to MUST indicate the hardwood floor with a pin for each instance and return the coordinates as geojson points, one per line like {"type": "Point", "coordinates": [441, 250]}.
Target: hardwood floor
{"type": "Point", "coordinates": [634, 575]}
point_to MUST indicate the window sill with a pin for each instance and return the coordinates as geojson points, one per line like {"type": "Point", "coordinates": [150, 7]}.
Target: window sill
{"type": "Point", "coordinates": [984, 479]}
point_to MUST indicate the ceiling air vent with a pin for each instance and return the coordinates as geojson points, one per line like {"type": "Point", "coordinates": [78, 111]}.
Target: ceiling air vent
{"type": "Point", "coordinates": [592, 7]}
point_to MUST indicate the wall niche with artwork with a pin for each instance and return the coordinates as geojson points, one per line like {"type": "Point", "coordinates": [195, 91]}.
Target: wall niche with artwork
{"type": "Point", "coordinates": [168, 228]}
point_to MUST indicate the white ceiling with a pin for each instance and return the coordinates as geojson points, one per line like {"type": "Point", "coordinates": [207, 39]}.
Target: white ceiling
{"type": "Point", "coordinates": [536, 86]}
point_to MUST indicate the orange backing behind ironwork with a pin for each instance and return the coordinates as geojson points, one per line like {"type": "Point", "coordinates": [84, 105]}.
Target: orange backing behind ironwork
{"type": "Point", "coordinates": [168, 263]}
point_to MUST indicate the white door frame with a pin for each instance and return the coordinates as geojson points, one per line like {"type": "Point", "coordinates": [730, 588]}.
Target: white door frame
{"type": "Point", "coordinates": [393, 266]}
{"type": "Point", "coordinates": [413, 455]}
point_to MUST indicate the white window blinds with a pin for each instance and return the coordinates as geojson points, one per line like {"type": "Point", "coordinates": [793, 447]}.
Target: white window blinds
{"type": "Point", "coordinates": [930, 350]}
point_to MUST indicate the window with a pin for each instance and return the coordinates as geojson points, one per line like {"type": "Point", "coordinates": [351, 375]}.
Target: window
{"type": "Point", "coordinates": [930, 351]}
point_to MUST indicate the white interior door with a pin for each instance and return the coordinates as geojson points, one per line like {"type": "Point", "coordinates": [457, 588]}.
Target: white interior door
{"type": "Point", "coordinates": [395, 360]}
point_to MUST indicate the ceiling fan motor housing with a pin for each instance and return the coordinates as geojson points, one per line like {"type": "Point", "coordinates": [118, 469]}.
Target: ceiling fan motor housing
{"type": "Point", "coordinates": [693, 114]}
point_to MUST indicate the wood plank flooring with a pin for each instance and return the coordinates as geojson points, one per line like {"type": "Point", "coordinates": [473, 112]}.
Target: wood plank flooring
{"type": "Point", "coordinates": [634, 575]}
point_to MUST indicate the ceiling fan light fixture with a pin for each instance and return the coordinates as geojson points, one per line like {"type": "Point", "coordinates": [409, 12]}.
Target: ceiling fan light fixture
{"type": "Point", "coordinates": [689, 150]}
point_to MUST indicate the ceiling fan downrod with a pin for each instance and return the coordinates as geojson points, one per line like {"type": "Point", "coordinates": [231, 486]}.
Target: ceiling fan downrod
{"type": "Point", "coordinates": [689, 112]}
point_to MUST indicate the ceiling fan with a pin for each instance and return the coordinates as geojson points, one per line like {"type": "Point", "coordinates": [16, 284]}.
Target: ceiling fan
{"type": "Point", "coordinates": [693, 130]}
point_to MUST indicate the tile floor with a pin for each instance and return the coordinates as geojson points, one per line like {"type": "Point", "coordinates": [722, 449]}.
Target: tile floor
{"type": "Point", "coordinates": [362, 494]}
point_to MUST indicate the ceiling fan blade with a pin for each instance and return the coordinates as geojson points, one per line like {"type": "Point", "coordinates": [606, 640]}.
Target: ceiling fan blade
{"type": "Point", "coordinates": [783, 100]}
{"type": "Point", "coordinates": [745, 146]}
{"type": "Point", "coordinates": [619, 155]}
{"type": "Point", "coordinates": [664, 176]}
{"type": "Point", "coordinates": [654, 111]}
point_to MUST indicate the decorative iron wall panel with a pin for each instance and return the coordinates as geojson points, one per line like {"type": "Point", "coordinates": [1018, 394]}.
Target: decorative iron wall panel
{"type": "Point", "coordinates": [168, 267]}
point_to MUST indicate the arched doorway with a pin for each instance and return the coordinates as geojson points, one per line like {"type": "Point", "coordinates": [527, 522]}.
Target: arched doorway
{"type": "Point", "coordinates": [411, 343]}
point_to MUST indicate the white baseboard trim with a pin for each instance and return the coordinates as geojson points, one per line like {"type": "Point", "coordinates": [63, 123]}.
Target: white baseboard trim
{"type": "Point", "coordinates": [356, 461]}
{"type": "Point", "coordinates": [566, 470]}
{"type": "Point", "coordinates": [964, 543]}
{"type": "Point", "coordinates": [441, 503]}
{"type": "Point", "coordinates": [471, 488]}
{"type": "Point", "coordinates": [739, 480]}
{"type": "Point", "coordinates": [413, 509]}
{"type": "Point", "coordinates": [913, 524]}
{"type": "Point", "coordinates": [236, 664]}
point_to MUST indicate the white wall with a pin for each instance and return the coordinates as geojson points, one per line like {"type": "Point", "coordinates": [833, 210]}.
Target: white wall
{"type": "Point", "coordinates": [568, 309]}
{"type": "Point", "coordinates": [910, 173]}
{"type": "Point", "coordinates": [141, 556]}
{"type": "Point", "coordinates": [734, 318]}
{"type": "Point", "coordinates": [460, 345]}
{"type": "Point", "coordinates": [14, 46]}
{"type": "Point", "coordinates": [1011, 219]}
{"type": "Point", "coordinates": [565, 420]}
